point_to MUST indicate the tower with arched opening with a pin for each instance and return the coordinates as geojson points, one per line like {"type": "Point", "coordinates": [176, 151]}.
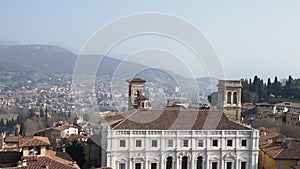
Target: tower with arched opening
{"type": "Point", "coordinates": [135, 92]}
{"type": "Point", "coordinates": [229, 98]}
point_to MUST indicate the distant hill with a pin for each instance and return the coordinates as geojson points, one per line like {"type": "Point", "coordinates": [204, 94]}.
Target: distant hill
{"type": "Point", "coordinates": [50, 59]}
{"type": "Point", "coordinates": [45, 58]}
{"type": "Point", "coordinates": [4, 42]}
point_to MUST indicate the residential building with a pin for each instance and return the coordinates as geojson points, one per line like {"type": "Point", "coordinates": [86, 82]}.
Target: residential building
{"type": "Point", "coordinates": [276, 151]}
{"type": "Point", "coordinates": [32, 153]}
{"type": "Point", "coordinates": [293, 118]}
{"type": "Point", "coordinates": [64, 131]}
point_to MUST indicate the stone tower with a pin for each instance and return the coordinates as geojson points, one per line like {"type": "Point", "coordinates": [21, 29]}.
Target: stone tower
{"type": "Point", "coordinates": [136, 86]}
{"type": "Point", "coordinates": [229, 98]}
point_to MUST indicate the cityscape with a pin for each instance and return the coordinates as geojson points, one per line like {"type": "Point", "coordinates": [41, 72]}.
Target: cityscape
{"type": "Point", "coordinates": [149, 85]}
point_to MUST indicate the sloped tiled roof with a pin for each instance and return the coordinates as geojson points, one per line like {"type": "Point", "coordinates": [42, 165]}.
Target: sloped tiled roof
{"type": "Point", "coordinates": [54, 160]}
{"type": "Point", "coordinates": [12, 139]}
{"type": "Point", "coordinates": [10, 156]}
{"type": "Point", "coordinates": [176, 119]}
{"type": "Point", "coordinates": [61, 128]}
{"type": "Point", "coordinates": [136, 79]}
{"type": "Point", "coordinates": [142, 97]}
{"type": "Point", "coordinates": [280, 147]}
{"type": "Point", "coordinates": [34, 141]}
{"type": "Point", "coordinates": [288, 104]}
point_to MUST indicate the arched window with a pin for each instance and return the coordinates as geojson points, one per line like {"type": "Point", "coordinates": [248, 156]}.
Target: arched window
{"type": "Point", "coordinates": [143, 104]}
{"type": "Point", "coordinates": [199, 162]}
{"type": "Point", "coordinates": [228, 97]}
{"type": "Point", "coordinates": [136, 96]}
{"type": "Point", "coordinates": [184, 162]}
{"type": "Point", "coordinates": [235, 97]}
{"type": "Point", "coordinates": [169, 163]}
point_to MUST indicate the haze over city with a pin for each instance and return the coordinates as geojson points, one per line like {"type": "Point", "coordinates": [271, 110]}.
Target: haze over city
{"type": "Point", "coordinates": [251, 37]}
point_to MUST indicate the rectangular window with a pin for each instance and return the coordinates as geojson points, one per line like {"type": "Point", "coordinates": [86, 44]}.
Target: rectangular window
{"type": "Point", "coordinates": [138, 143]}
{"type": "Point", "coordinates": [244, 143]}
{"type": "Point", "coordinates": [229, 165]}
{"type": "Point", "coordinates": [215, 143]}
{"type": "Point", "coordinates": [229, 143]}
{"type": "Point", "coordinates": [243, 165]}
{"type": "Point", "coordinates": [185, 143]}
{"type": "Point", "coordinates": [153, 165]}
{"type": "Point", "coordinates": [214, 165]}
{"type": "Point", "coordinates": [122, 143]}
{"type": "Point", "coordinates": [200, 143]}
{"type": "Point", "coordinates": [121, 165]}
{"type": "Point", "coordinates": [138, 166]}
{"type": "Point", "coordinates": [154, 143]}
{"type": "Point", "coordinates": [170, 143]}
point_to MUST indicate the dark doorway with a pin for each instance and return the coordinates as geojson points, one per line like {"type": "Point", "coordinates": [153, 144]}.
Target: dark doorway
{"type": "Point", "coordinates": [138, 166]}
{"type": "Point", "coordinates": [184, 163]}
{"type": "Point", "coordinates": [199, 162]}
{"type": "Point", "coordinates": [169, 163]}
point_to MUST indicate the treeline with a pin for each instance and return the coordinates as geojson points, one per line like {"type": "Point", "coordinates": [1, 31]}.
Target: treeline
{"type": "Point", "coordinates": [6, 124]}
{"type": "Point", "coordinates": [257, 90]}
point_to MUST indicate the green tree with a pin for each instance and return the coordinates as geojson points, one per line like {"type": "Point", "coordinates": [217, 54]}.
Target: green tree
{"type": "Point", "coordinates": [22, 129]}
{"type": "Point", "coordinates": [2, 123]}
{"type": "Point", "coordinates": [269, 87]}
{"type": "Point", "coordinates": [276, 87]}
{"type": "Point", "coordinates": [42, 112]}
{"type": "Point", "coordinates": [78, 151]}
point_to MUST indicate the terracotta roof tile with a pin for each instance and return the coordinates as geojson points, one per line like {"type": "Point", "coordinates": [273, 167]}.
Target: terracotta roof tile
{"type": "Point", "coordinates": [142, 97]}
{"type": "Point", "coordinates": [12, 139]}
{"type": "Point", "coordinates": [277, 146]}
{"type": "Point", "coordinates": [136, 79]}
{"type": "Point", "coordinates": [288, 104]}
{"type": "Point", "coordinates": [34, 141]}
{"type": "Point", "coordinates": [10, 156]}
{"type": "Point", "coordinates": [176, 119]}
{"type": "Point", "coordinates": [53, 160]}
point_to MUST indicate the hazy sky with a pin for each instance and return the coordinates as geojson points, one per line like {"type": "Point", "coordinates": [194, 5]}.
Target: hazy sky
{"type": "Point", "coordinates": [251, 37]}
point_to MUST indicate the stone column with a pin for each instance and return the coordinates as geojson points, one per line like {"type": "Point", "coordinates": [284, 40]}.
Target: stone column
{"type": "Point", "coordinates": [109, 160]}
{"type": "Point", "coordinates": [130, 163]}
{"type": "Point", "coordinates": [207, 161]}
{"type": "Point", "coordinates": [162, 162]}
{"type": "Point", "coordinates": [146, 163]}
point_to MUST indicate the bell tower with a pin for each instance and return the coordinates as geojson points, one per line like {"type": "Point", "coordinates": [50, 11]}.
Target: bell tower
{"type": "Point", "coordinates": [229, 98]}
{"type": "Point", "coordinates": [136, 86]}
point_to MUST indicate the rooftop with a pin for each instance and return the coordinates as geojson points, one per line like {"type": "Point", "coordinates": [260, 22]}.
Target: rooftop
{"type": "Point", "coordinates": [34, 141]}
{"type": "Point", "coordinates": [277, 146]}
{"type": "Point", "coordinates": [10, 156]}
{"type": "Point", "coordinates": [136, 80]}
{"type": "Point", "coordinates": [52, 159]}
{"type": "Point", "coordinates": [174, 118]}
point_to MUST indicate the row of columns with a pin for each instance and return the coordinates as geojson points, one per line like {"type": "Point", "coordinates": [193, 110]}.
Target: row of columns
{"type": "Point", "coordinates": [177, 162]}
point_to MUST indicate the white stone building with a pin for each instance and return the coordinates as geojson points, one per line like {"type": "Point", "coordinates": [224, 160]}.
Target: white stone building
{"type": "Point", "coordinates": [64, 131]}
{"type": "Point", "coordinates": [174, 138]}
{"type": "Point", "coordinates": [178, 140]}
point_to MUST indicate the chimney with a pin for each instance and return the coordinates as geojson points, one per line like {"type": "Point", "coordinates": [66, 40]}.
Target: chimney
{"type": "Point", "coordinates": [24, 164]}
{"type": "Point", "coordinates": [74, 163]}
{"type": "Point", "coordinates": [270, 141]}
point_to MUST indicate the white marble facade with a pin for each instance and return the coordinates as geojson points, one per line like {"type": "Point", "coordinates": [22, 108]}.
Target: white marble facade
{"type": "Point", "coordinates": [181, 149]}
